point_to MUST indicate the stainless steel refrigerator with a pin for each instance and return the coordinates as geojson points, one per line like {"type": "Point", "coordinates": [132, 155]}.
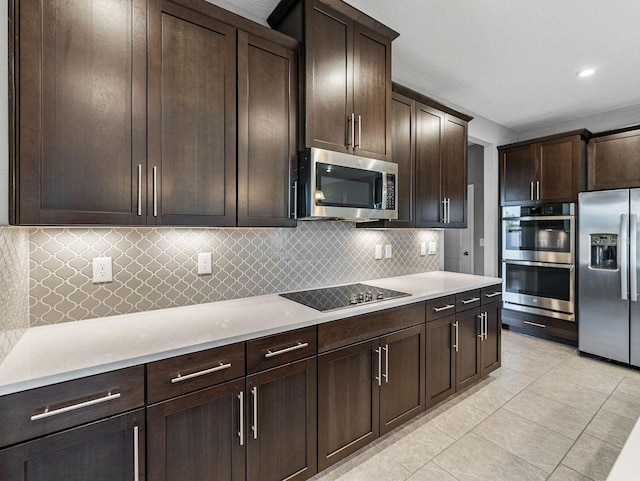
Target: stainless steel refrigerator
{"type": "Point", "coordinates": [608, 302]}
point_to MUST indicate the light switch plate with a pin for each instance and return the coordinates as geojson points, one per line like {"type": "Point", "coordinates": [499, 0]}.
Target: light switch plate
{"type": "Point", "coordinates": [102, 270]}
{"type": "Point", "coordinates": [433, 248]}
{"type": "Point", "coordinates": [423, 249]}
{"type": "Point", "coordinates": [378, 253]}
{"type": "Point", "coordinates": [388, 252]}
{"type": "Point", "coordinates": [204, 263]}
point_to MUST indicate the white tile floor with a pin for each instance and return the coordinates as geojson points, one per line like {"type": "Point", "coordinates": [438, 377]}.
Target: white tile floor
{"type": "Point", "coordinates": [546, 414]}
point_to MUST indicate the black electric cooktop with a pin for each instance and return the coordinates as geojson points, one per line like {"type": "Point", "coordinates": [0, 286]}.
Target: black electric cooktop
{"type": "Point", "coordinates": [332, 298]}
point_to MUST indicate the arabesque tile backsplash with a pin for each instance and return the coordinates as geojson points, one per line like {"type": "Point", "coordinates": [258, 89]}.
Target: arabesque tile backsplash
{"type": "Point", "coordinates": [155, 268]}
{"type": "Point", "coordinates": [14, 286]}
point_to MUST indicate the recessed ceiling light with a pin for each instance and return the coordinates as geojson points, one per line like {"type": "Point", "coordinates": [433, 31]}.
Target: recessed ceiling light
{"type": "Point", "coordinates": [588, 72]}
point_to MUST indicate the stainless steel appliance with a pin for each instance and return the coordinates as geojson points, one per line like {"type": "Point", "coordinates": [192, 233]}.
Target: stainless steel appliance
{"type": "Point", "coordinates": [538, 256]}
{"type": "Point", "coordinates": [609, 310]}
{"type": "Point", "coordinates": [337, 185]}
{"type": "Point", "coordinates": [340, 297]}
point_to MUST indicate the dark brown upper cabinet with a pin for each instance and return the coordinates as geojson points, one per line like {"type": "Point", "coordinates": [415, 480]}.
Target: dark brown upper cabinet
{"type": "Point", "coordinates": [549, 169]}
{"type": "Point", "coordinates": [347, 87]}
{"type": "Point", "coordinates": [192, 118]}
{"type": "Point", "coordinates": [614, 160]}
{"type": "Point", "coordinates": [80, 112]}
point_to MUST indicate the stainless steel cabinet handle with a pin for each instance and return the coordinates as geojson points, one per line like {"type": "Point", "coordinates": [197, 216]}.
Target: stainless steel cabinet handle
{"type": "Point", "coordinates": [155, 191]}
{"type": "Point", "coordinates": [493, 294]}
{"type": "Point", "coordinates": [73, 407]}
{"type": "Point", "coordinates": [531, 196]}
{"type": "Point", "coordinates": [448, 210]}
{"type": "Point", "coordinates": [136, 454]}
{"type": "Point", "coordinates": [379, 376]}
{"type": "Point", "coordinates": [241, 424]}
{"type": "Point", "coordinates": [353, 130]}
{"type": "Point", "coordinates": [481, 317]}
{"type": "Point", "coordinates": [295, 199]}
{"type": "Point", "coordinates": [254, 428]}
{"type": "Point", "coordinates": [444, 210]}
{"type": "Point", "coordinates": [386, 363]}
{"type": "Point", "coordinates": [455, 346]}
{"type": "Point", "coordinates": [139, 189]}
{"type": "Point", "coordinates": [359, 145]}
{"type": "Point", "coordinates": [538, 189]}
{"type": "Point", "coordinates": [486, 326]}
{"type": "Point", "coordinates": [624, 260]}
{"type": "Point", "coordinates": [469, 301]}
{"type": "Point", "coordinates": [300, 345]}
{"type": "Point", "coordinates": [180, 378]}
{"type": "Point", "coordinates": [633, 262]}
{"type": "Point", "coordinates": [534, 324]}
{"type": "Point", "coordinates": [444, 308]}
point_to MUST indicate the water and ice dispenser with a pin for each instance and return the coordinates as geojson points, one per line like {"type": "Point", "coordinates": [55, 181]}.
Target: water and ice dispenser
{"type": "Point", "coordinates": [604, 251]}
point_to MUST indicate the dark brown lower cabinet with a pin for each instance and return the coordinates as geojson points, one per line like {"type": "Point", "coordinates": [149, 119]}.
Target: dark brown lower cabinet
{"type": "Point", "coordinates": [491, 345]}
{"type": "Point", "coordinates": [368, 389]}
{"type": "Point", "coordinates": [281, 423]}
{"type": "Point", "coordinates": [468, 348]}
{"type": "Point", "coordinates": [108, 450]}
{"type": "Point", "coordinates": [198, 436]}
{"type": "Point", "coordinates": [441, 360]}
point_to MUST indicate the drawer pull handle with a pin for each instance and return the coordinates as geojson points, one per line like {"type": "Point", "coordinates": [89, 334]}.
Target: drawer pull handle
{"type": "Point", "coordinates": [469, 301]}
{"type": "Point", "coordinates": [73, 407]}
{"type": "Point", "coordinates": [494, 294]}
{"type": "Point", "coordinates": [180, 378]}
{"type": "Point", "coordinates": [534, 324]}
{"type": "Point", "coordinates": [300, 345]}
{"type": "Point", "coordinates": [444, 308]}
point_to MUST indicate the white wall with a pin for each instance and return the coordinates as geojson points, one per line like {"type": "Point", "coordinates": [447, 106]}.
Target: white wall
{"type": "Point", "coordinates": [610, 120]}
{"type": "Point", "coordinates": [4, 117]}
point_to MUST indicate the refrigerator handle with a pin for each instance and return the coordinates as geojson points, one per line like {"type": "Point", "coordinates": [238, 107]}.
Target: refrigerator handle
{"type": "Point", "coordinates": [633, 257]}
{"type": "Point", "coordinates": [624, 256]}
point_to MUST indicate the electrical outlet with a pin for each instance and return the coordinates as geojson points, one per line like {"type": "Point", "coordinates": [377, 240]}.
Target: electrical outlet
{"type": "Point", "coordinates": [388, 253]}
{"type": "Point", "coordinates": [433, 248]}
{"type": "Point", "coordinates": [102, 270]}
{"type": "Point", "coordinates": [481, 242]}
{"type": "Point", "coordinates": [378, 253]}
{"type": "Point", "coordinates": [423, 249]}
{"type": "Point", "coordinates": [204, 263]}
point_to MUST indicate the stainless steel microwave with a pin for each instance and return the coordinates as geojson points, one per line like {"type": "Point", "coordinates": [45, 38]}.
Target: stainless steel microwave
{"type": "Point", "coordinates": [333, 185]}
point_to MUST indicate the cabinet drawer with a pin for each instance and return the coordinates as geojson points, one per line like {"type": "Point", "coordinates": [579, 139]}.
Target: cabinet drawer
{"type": "Point", "coordinates": [541, 326]}
{"type": "Point", "coordinates": [183, 374]}
{"type": "Point", "coordinates": [441, 307]}
{"type": "Point", "coordinates": [467, 300]}
{"type": "Point", "coordinates": [29, 414]}
{"type": "Point", "coordinates": [491, 294]}
{"type": "Point", "coordinates": [343, 332]}
{"type": "Point", "coordinates": [272, 351]}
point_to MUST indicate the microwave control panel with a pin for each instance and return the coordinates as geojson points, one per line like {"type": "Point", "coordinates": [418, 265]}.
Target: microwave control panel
{"type": "Point", "coordinates": [391, 192]}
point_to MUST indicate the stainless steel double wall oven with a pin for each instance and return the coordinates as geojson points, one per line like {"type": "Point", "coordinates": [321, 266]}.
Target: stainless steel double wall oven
{"type": "Point", "coordinates": [538, 259]}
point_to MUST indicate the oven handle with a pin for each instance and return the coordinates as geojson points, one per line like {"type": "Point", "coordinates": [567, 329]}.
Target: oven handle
{"type": "Point", "coordinates": [542, 217]}
{"type": "Point", "coordinates": [540, 264]}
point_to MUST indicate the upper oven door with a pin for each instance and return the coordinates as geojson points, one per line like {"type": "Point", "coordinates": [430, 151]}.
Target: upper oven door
{"type": "Point", "coordinates": [542, 239]}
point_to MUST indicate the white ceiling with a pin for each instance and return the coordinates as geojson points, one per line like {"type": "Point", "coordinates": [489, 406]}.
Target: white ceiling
{"type": "Point", "coordinates": [511, 61]}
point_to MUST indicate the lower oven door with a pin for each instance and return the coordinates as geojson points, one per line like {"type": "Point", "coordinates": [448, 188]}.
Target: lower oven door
{"type": "Point", "coordinates": [539, 284]}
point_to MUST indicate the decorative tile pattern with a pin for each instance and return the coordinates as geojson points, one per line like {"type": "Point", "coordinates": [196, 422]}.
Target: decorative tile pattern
{"type": "Point", "coordinates": [14, 286]}
{"type": "Point", "coordinates": [155, 268]}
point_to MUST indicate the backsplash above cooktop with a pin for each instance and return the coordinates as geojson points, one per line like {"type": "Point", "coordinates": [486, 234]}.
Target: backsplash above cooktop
{"type": "Point", "coordinates": [155, 268]}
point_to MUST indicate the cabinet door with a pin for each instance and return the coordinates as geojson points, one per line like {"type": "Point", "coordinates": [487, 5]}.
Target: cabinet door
{"type": "Point", "coordinates": [441, 360]}
{"type": "Point", "coordinates": [197, 436]}
{"type": "Point", "coordinates": [82, 102]}
{"type": "Point", "coordinates": [192, 118]}
{"type": "Point", "coordinates": [329, 79]}
{"type": "Point", "coordinates": [557, 170]}
{"type": "Point", "coordinates": [491, 347]}
{"type": "Point", "coordinates": [109, 450]}
{"type": "Point", "coordinates": [267, 135]}
{"type": "Point", "coordinates": [403, 124]}
{"type": "Point", "coordinates": [468, 352]}
{"type": "Point", "coordinates": [517, 175]}
{"type": "Point", "coordinates": [372, 93]}
{"type": "Point", "coordinates": [348, 401]}
{"type": "Point", "coordinates": [402, 394]}
{"type": "Point", "coordinates": [454, 167]}
{"type": "Point", "coordinates": [429, 134]}
{"type": "Point", "coordinates": [614, 161]}
{"type": "Point", "coordinates": [282, 410]}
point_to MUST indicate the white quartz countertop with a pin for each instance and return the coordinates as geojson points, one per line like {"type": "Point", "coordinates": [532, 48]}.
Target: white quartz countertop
{"type": "Point", "coordinates": [627, 466]}
{"type": "Point", "coordinates": [51, 354]}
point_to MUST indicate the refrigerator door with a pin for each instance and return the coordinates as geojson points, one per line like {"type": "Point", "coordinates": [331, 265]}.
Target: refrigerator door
{"type": "Point", "coordinates": [634, 271]}
{"type": "Point", "coordinates": [603, 275]}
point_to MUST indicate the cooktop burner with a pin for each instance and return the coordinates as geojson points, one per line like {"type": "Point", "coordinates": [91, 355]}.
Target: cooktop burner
{"type": "Point", "coordinates": [332, 298]}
